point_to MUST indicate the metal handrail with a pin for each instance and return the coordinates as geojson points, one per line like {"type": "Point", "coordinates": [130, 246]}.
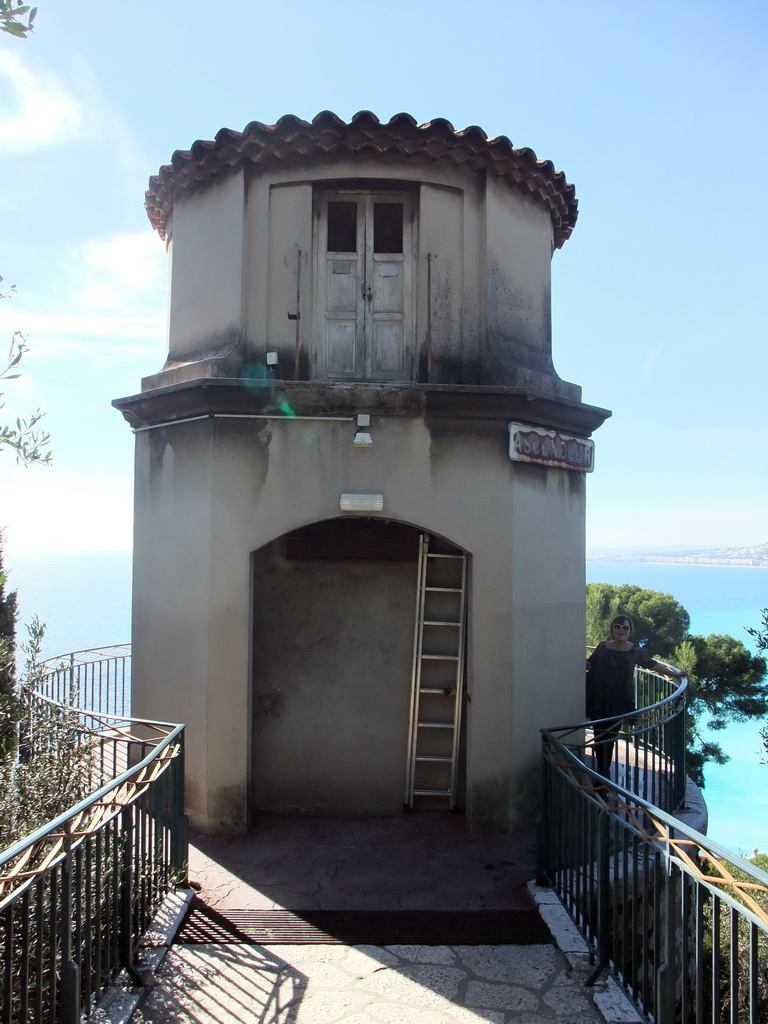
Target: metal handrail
{"type": "Point", "coordinates": [651, 742]}
{"type": "Point", "coordinates": [95, 678]}
{"type": "Point", "coordinates": [78, 893]}
{"type": "Point", "coordinates": [679, 920]}
{"type": "Point", "coordinates": [82, 656]}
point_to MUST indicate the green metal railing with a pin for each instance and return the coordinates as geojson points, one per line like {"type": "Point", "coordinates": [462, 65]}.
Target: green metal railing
{"type": "Point", "coordinates": [95, 679]}
{"type": "Point", "coordinates": [680, 921]}
{"type": "Point", "coordinates": [650, 747]}
{"type": "Point", "coordinates": [77, 895]}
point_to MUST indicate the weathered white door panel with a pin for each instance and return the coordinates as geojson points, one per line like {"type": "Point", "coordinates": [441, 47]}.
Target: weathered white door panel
{"type": "Point", "coordinates": [363, 312]}
{"type": "Point", "coordinates": [340, 258]}
{"type": "Point", "coordinates": [343, 308]}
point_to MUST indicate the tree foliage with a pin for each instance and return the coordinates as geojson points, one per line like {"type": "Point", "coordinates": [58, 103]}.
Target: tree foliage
{"type": "Point", "coordinates": [24, 438]}
{"type": "Point", "coordinates": [8, 616]}
{"type": "Point", "coordinates": [51, 768]}
{"type": "Point", "coordinates": [661, 622]}
{"type": "Point", "coordinates": [729, 681]}
{"type": "Point", "coordinates": [12, 17]}
{"type": "Point", "coordinates": [726, 682]}
{"type": "Point", "coordinates": [760, 636]}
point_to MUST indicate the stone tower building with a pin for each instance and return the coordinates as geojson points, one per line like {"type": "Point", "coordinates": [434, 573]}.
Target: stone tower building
{"type": "Point", "coordinates": [360, 484]}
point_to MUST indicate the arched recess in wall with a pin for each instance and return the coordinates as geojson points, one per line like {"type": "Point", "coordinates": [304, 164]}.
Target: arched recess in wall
{"type": "Point", "coordinates": [342, 641]}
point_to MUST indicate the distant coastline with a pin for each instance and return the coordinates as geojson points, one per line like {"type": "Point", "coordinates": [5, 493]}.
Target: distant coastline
{"type": "Point", "coordinates": [754, 557]}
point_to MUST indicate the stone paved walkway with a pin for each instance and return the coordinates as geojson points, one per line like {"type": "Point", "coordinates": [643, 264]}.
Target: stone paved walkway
{"type": "Point", "coordinates": [366, 985]}
{"type": "Point", "coordinates": [411, 862]}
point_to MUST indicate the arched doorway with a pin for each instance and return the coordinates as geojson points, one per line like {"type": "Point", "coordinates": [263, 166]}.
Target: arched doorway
{"type": "Point", "coordinates": [336, 609]}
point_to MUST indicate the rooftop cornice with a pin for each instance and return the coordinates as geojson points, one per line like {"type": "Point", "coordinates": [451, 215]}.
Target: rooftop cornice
{"type": "Point", "coordinates": [292, 140]}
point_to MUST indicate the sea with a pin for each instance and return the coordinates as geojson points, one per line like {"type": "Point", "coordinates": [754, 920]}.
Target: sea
{"type": "Point", "coordinates": [84, 598]}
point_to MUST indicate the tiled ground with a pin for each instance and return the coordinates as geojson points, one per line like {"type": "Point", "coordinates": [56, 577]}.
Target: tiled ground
{"type": "Point", "coordinates": [366, 985]}
{"type": "Point", "coordinates": [418, 862]}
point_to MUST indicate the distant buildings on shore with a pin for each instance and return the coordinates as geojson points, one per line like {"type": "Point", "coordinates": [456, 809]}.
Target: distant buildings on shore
{"type": "Point", "coordinates": [749, 556]}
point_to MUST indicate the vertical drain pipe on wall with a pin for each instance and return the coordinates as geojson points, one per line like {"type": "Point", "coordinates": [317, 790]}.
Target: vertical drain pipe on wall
{"type": "Point", "coordinates": [430, 257]}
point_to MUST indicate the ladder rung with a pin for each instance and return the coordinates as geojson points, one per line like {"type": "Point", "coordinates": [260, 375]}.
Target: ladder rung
{"type": "Point", "coordinates": [434, 554]}
{"type": "Point", "coordinates": [446, 691]}
{"type": "Point", "coordinates": [433, 757]}
{"type": "Point", "coordinates": [440, 657]}
{"type": "Point", "coordinates": [439, 622]}
{"type": "Point", "coordinates": [431, 792]}
{"type": "Point", "coordinates": [444, 590]}
{"type": "Point", "coordinates": [435, 725]}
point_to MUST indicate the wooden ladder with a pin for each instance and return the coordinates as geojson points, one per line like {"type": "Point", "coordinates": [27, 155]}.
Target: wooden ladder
{"type": "Point", "coordinates": [438, 674]}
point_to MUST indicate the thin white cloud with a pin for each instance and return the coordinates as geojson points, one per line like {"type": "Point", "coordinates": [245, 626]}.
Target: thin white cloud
{"type": "Point", "coordinates": [108, 128]}
{"type": "Point", "coordinates": [111, 296]}
{"type": "Point", "coordinates": [117, 269]}
{"type": "Point", "coordinates": [37, 110]}
{"type": "Point", "coordinates": [652, 357]}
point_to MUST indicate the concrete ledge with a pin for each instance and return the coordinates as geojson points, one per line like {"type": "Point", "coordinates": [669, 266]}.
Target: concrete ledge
{"type": "Point", "coordinates": [168, 920]}
{"type": "Point", "coordinates": [694, 814]}
{"type": "Point", "coordinates": [606, 994]}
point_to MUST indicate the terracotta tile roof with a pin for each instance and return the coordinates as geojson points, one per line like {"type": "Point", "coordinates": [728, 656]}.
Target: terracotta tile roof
{"type": "Point", "coordinates": [291, 140]}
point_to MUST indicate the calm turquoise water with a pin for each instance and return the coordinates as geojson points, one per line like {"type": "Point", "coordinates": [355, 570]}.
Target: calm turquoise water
{"type": "Point", "coordinates": [84, 598]}
{"type": "Point", "coordinates": [85, 601]}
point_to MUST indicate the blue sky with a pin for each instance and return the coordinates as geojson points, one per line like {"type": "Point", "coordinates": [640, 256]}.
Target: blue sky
{"type": "Point", "coordinates": [656, 113]}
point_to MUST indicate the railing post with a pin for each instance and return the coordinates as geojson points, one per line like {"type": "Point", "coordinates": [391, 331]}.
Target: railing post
{"type": "Point", "coordinates": [541, 870]}
{"type": "Point", "coordinates": [71, 695]}
{"type": "Point", "coordinates": [681, 775]}
{"type": "Point", "coordinates": [125, 931]}
{"type": "Point", "coordinates": [179, 826]}
{"type": "Point", "coordinates": [603, 896]}
{"type": "Point", "coordinates": [70, 967]}
{"type": "Point", "coordinates": [666, 973]}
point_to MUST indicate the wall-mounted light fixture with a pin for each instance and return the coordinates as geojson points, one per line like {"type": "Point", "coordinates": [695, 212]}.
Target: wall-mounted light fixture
{"type": "Point", "coordinates": [363, 438]}
{"type": "Point", "coordinates": [361, 502]}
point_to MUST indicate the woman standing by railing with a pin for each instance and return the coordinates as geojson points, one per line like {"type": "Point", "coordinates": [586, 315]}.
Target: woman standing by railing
{"type": "Point", "coordinates": [610, 685]}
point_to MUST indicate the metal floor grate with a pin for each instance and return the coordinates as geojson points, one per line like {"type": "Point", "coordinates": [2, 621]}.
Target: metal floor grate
{"type": "Point", "coordinates": [515, 927]}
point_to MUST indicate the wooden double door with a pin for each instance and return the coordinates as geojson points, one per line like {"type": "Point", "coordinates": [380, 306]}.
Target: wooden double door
{"type": "Point", "coordinates": [364, 320]}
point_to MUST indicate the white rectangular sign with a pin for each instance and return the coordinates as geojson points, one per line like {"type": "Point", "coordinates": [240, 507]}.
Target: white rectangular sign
{"type": "Point", "coordinates": [550, 448]}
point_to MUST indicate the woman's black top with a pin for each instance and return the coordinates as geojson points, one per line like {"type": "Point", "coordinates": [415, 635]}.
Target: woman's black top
{"type": "Point", "coordinates": [610, 680]}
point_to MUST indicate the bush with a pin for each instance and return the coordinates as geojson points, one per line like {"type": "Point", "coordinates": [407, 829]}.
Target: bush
{"type": "Point", "coordinates": [46, 761]}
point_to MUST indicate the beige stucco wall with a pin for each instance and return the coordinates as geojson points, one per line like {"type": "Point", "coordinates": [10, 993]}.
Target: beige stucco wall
{"type": "Point", "coordinates": [242, 261]}
{"type": "Point", "coordinates": [211, 493]}
{"type": "Point", "coordinates": [214, 494]}
{"type": "Point", "coordinates": [518, 257]}
{"type": "Point", "coordinates": [205, 308]}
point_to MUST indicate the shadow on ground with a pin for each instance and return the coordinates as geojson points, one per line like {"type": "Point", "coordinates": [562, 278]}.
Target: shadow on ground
{"type": "Point", "coordinates": [414, 861]}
